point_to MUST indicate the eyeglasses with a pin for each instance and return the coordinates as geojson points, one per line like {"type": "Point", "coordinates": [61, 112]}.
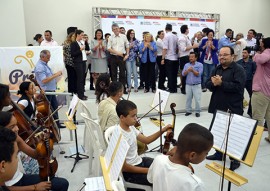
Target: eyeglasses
{"type": "Point", "coordinates": [223, 55]}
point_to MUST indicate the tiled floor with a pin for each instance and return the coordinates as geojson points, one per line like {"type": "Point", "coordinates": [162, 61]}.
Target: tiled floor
{"type": "Point", "coordinates": [258, 175]}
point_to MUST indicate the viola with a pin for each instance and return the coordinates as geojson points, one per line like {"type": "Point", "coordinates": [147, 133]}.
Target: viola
{"type": "Point", "coordinates": [44, 116]}
{"type": "Point", "coordinates": [48, 164]}
{"type": "Point", "coordinates": [170, 133]}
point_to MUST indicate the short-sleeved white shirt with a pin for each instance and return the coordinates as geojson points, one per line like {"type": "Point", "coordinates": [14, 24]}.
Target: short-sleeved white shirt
{"type": "Point", "coordinates": [169, 176]}
{"type": "Point", "coordinates": [24, 102]}
{"type": "Point", "coordinates": [132, 157]}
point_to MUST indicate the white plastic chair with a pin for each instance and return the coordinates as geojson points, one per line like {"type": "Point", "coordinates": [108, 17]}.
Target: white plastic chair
{"type": "Point", "coordinates": [107, 134]}
{"type": "Point", "coordinates": [86, 138]}
{"type": "Point", "coordinates": [97, 144]}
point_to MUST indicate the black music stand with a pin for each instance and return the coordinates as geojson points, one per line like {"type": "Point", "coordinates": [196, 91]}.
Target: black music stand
{"type": "Point", "coordinates": [77, 156]}
{"type": "Point", "coordinates": [158, 148]}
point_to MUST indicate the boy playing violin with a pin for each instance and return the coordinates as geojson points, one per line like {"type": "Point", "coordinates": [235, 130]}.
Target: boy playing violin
{"type": "Point", "coordinates": [135, 168]}
{"type": "Point", "coordinates": [172, 173]}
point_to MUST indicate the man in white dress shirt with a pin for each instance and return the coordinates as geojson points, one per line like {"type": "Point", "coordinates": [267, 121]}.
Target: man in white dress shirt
{"type": "Point", "coordinates": [48, 41]}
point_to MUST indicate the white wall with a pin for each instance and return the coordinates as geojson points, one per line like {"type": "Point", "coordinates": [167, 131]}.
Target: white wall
{"type": "Point", "coordinates": [58, 15]}
{"type": "Point", "coordinates": [12, 23]}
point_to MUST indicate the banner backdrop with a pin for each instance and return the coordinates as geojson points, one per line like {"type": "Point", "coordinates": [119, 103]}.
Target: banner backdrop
{"type": "Point", "coordinates": [17, 63]}
{"type": "Point", "coordinates": [154, 24]}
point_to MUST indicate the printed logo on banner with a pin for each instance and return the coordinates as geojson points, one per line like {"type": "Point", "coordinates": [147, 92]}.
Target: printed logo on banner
{"type": "Point", "coordinates": [118, 22]}
{"type": "Point", "coordinates": [194, 25]}
{"type": "Point", "coordinates": [156, 23]}
{"type": "Point", "coordinates": [204, 25]}
{"type": "Point", "coordinates": [146, 23]}
{"type": "Point", "coordinates": [129, 23]}
{"type": "Point", "coordinates": [17, 63]}
{"type": "Point", "coordinates": [172, 23]}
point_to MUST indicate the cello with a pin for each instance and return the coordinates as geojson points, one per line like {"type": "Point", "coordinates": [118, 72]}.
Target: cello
{"type": "Point", "coordinates": [44, 115]}
{"type": "Point", "coordinates": [24, 124]}
{"type": "Point", "coordinates": [47, 163]}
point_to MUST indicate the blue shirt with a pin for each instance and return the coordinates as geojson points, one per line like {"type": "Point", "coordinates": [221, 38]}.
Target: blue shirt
{"type": "Point", "coordinates": [133, 52]}
{"type": "Point", "coordinates": [225, 41]}
{"type": "Point", "coordinates": [42, 71]}
{"type": "Point", "coordinates": [191, 78]}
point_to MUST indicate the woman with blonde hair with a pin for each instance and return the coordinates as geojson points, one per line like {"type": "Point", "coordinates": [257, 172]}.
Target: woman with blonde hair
{"type": "Point", "coordinates": [148, 51]}
{"type": "Point", "coordinates": [71, 74]}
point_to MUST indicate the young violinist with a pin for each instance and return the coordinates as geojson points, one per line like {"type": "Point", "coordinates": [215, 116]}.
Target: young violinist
{"type": "Point", "coordinates": [5, 99]}
{"type": "Point", "coordinates": [8, 156]}
{"type": "Point", "coordinates": [27, 182]}
{"type": "Point", "coordinates": [26, 101]}
{"type": "Point", "coordinates": [135, 167]}
{"type": "Point", "coordinates": [172, 173]}
{"type": "Point", "coordinates": [106, 108]}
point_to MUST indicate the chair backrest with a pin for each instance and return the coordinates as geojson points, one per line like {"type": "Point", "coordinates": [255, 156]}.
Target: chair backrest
{"type": "Point", "coordinates": [96, 132]}
{"type": "Point", "coordinates": [108, 133]}
{"type": "Point", "coordinates": [85, 109]}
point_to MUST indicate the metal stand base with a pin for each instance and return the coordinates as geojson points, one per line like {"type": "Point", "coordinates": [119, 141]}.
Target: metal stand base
{"type": "Point", "coordinates": [77, 156]}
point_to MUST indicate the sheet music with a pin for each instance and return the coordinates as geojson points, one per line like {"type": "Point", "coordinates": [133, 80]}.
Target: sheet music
{"type": "Point", "coordinates": [164, 96]}
{"type": "Point", "coordinates": [112, 145]}
{"type": "Point", "coordinates": [240, 131]}
{"type": "Point", "coordinates": [72, 107]}
{"type": "Point", "coordinates": [95, 184]}
{"type": "Point", "coordinates": [119, 159]}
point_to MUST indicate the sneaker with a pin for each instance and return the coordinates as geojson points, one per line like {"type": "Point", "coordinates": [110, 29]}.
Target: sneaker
{"type": "Point", "coordinates": [197, 115]}
{"type": "Point", "coordinates": [187, 114]}
{"type": "Point", "coordinates": [204, 90]}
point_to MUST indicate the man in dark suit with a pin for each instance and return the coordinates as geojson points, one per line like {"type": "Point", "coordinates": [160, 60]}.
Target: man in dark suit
{"type": "Point", "coordinates": [78, 54]}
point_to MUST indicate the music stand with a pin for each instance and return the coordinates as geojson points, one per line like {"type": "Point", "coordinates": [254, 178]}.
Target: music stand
{"type": "Point", "coordinates": [245, 152]}
{"type": "Point", "coordinates": [162, 104]}
{"type": "Point", "coordinates": [71, 114]}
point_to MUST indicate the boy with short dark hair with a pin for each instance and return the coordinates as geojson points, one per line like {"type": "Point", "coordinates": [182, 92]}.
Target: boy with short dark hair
{"type": "Point", "coordinates": [135, 168]}
{"type": "Point", "coordinates": [172, 173]}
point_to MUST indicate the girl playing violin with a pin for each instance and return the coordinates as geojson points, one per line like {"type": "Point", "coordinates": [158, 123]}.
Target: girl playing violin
{"type": "Point", "coordinates": [27, 182]}
{"type": "Point", "coordinates": [26, 101]}
{"type": "Point", "coordinates": [5, 99]}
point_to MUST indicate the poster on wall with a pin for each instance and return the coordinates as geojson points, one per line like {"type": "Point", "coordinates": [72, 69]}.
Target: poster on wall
{"type": "Point", "coordinates": [17, 63]}
{"type": "Point", "coordinates": [154, 24]}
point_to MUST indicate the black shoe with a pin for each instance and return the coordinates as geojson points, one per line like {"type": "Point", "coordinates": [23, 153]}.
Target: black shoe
{"type": "Point", "coordinates": [140, 87]}
{"type": "Point", "coordinates": [234, 165]}
{"type": "Point", "coordinates": [183, 92]}
{"type": "Point", "coordinates": [214, 157]}
{"type": "Point", "coordinates": [83, 98]}
{"type": "Point", "coordinates": [92, 88]}
{"type": "Point", "coordinates": [187, 114]}
{"type": "Point", "coordinates": [125, 92]}
{"type": "Point", "coordinates": [61, 127]}
{"type": "Point", "coordinates": [197, 115]}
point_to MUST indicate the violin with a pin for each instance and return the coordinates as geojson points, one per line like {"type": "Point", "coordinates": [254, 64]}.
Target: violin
{"type": "Point", "coordinates": [25, 125]}
{"type": "Point", "coordinates": [48, 164]}
{"type": "Point", "coordinates": [44, 116]}
{"type": "Point", "coordinates": [170, 133]}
